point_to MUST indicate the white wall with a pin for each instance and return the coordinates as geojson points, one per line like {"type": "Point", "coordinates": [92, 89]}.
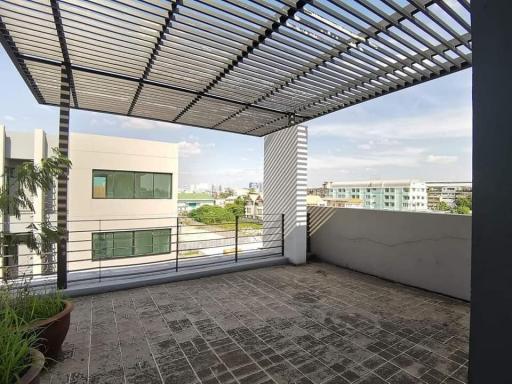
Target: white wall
{"type": "Point", "coordinates": [425, 250]}
{"type": "Point", "coordinates": [88, 152]}
{"type": "Point", "coordinates": [87, 215]}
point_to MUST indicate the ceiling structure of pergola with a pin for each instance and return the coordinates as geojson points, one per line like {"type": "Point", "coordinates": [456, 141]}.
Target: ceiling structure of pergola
{"type": "Point", "coordinates": [245, 66]}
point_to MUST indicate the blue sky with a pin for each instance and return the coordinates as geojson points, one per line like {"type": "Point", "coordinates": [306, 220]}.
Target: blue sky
{"type": "Point", "coordinates": [423, 132]}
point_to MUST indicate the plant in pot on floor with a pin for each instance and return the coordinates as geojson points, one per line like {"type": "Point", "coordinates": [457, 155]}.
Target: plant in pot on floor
{"type": "Point", "coordinates": [44, 314]}
{"type": "Point", "coordinates": [19, 361]}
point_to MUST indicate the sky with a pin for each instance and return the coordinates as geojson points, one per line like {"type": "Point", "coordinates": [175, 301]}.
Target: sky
{"type": "Point", "coordinates": [423, 132]}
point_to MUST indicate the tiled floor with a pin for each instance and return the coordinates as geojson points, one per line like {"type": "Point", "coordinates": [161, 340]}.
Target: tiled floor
{"type": "Point", "coordinates": [311, 324]}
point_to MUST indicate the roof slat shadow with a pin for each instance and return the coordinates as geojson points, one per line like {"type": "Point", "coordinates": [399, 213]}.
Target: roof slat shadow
{"type": "Point", "coordinates": [246, 67]}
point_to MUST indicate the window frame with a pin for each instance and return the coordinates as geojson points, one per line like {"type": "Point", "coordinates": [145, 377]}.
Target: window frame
{"type": "Point", "coordinates": [95, 258]}
{"type": "Point", "coordinates": [112, 171]}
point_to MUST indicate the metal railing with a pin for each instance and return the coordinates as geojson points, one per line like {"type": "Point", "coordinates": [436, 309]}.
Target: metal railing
{"type": "Point", "coordinates": [124, 248]}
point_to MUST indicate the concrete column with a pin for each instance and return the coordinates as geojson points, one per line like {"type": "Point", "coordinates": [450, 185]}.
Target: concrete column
{"type": "Point", "coordinates": [39, 155]}
{"type": "Point", "coordinates": [284, 190]}
{"type": "Point", "coordinates": [491, 274]}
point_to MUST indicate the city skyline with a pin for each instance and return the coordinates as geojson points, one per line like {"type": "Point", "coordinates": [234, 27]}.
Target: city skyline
{"type": "Point", "coordinates": [422, 132]}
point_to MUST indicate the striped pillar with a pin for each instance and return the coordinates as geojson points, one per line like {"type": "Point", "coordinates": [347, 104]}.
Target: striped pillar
{"type": "Point", "coordinates": [284, 188]}
{"type": "Point", "coordinates": [62, 182]}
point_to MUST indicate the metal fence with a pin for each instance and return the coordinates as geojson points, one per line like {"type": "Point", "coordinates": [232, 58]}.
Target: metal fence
{"type": "Point", "coordinates": [131, 248]}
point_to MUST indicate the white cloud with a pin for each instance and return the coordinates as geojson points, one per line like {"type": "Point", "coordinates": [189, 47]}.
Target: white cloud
{"type": "Point", "coordinates": [441, 159]}
{"type": "Point", "coordinates": [9, 118]}
{"type": "Point", "coordinates": [446, 124]}
{"type": "Point", "coordinates": [144, 124]}
{"type": "Point", "coordinates": [191, 148]}
{"type": "Point", "coordinates": [407, 157]}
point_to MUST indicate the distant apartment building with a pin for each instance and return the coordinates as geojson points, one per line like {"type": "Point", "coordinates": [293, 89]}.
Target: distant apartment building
{"type": "Point", "coordinates": [188, 201]}
{"type": "Point", "coordinates": [399, 195]}
{"type": "Point", "coordinates": [343, 203]}
{"type": "Point", "coordinates": [318, 191]}
{"type": "Point", "coordinates": [315, 201]}
{"type": "Point", "coordinates": [256, 186]}
{"type": "Point", "coordinates": [447, 192]}
{"type": "Point", "coordinates": [117, 188]}
{"type": "Point", "coordinates": [254, 206]}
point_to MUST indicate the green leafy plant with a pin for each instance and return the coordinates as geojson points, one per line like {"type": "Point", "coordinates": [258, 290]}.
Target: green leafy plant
{"type": "Point", "coordinates": [15, 357]}
{"type": "Point", "coordinates": [18, 195]}
{"type": "Point", "coordinates": [212, 214]}
{"type": "Point", "coordinates": [29, 305]}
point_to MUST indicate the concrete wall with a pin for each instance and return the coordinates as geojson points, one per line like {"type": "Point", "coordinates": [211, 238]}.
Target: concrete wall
{"type": "Point", "coordinates": [425, 250]}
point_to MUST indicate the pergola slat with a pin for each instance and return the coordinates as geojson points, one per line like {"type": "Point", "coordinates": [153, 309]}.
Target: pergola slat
{"type": "Point", "coordinates": [232, 65]}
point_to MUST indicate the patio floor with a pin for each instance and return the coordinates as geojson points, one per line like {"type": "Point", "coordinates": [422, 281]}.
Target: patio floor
{"type": "Point", "coordinates": [311, 324]}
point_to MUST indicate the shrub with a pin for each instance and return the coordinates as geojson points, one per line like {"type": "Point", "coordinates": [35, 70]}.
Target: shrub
{"type": "Point", "coordinates": [15, 356]}
{"type": "Point", "coordinates": [212, 214]}
{"type": "Point", "coordinates": [28, 305]}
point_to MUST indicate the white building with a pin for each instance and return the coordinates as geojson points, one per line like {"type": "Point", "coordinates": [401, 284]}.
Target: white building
{"type": "Point", "coordinates": [447, 192]}
{"type": "Point", "coordinates": [395, 195]}
{"type": "Point", "coordinates": [188, 201]}
{"type": "Point", "coordinates": [117, 188]}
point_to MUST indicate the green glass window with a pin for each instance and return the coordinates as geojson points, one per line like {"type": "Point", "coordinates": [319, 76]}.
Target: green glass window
{"type": "Point", "coordinates": [123, 244]}
{"type": "Point", "coordinates": [162, 185]}
{"type": "Point", "coordinates": [143, 185]}
{"type": "Point", "coordinates": [161, 241]}
{"type": "Point", "coordinates": [123, 185]}
{"type": "Point", "coordinates": [109, 245]}
{"type": "Point", "coordinates": [143, 242]}
{"type": "Point", "coordinates": [103, 245]}
{"type": "Point", "coordinates": [131, 185]}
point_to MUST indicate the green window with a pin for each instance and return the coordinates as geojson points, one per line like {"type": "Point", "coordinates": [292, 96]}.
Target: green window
{"type": "Point", "coordinates": [131, 185]}
{"type": "Point", "coordinates": [123, 185]}
{"type": "Point", "coordinates": [143, 185]}
{"type": "Point", "coordinates": [111, 245]}
{"type": "Point", "coordinates": [162, 186]}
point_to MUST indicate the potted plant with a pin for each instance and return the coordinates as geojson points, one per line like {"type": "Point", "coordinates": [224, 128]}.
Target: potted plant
{"type": "Point", "coordinates": [43, 314]}
{"type": "Point", "coordinates": [19, 361]}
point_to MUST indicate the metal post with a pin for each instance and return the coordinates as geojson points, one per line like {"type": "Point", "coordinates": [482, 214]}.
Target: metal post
{"type": "Point", "coordinates": [236, 239]}
{"type": "Point", "coordinates": [62, 182]}
{"type": "Point", "coordinates": [282, 234]}
{"type": "Point", "coordinates": [177, 241]}
{"type": "Point", "coordinates": [308, 227]}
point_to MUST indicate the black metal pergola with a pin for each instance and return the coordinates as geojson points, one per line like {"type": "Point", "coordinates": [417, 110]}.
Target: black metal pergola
{"type": "Point", "coordinates": [245, 66]}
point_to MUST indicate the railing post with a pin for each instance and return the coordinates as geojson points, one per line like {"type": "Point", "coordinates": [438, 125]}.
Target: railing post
{"type": "Point", "coordinates": [282, 234]}
{"type": "Point", "coordinates": [236, 239]}
{"type": "Point", "coordinates": [308, 227]}
{"type": "Point", "coordinates": [177, 241]}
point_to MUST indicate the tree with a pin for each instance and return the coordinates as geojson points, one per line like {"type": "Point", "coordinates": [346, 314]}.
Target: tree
{"type": "Point", "coordinates": [212, 214]}
{"type": "Point", "coordinates": [228, 192]}
{"type": "Point", "coordinates": [443, 206]}
{"type": "Point", "coordinates": [17, 196]}
{"type": "Point", "coordinates": [238, 207]}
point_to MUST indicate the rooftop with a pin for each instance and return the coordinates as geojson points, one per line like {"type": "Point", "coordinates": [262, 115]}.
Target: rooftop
{"type": "Point", "coordinates": [316, 323]}
{"type": "Point", "coordinates": [194, 196]}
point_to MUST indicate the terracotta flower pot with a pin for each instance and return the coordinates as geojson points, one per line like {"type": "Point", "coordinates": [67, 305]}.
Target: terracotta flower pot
{"type": "Point", "coordinates": [31, 376]}
{"type": "Point", "coordinates": [52, 331]}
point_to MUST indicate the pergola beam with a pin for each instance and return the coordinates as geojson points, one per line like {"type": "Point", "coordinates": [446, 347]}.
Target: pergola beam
{"type": "Point", "coordinates": [144, 81]}
{"type": "Point", "coordinates": [240, 58]}
{"type": "Point", "coordinates": [19, 62]}
{"type": "Point", "coordinates": [64, 48]}
{"type": "Point", "coordinates": [158, 43]}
